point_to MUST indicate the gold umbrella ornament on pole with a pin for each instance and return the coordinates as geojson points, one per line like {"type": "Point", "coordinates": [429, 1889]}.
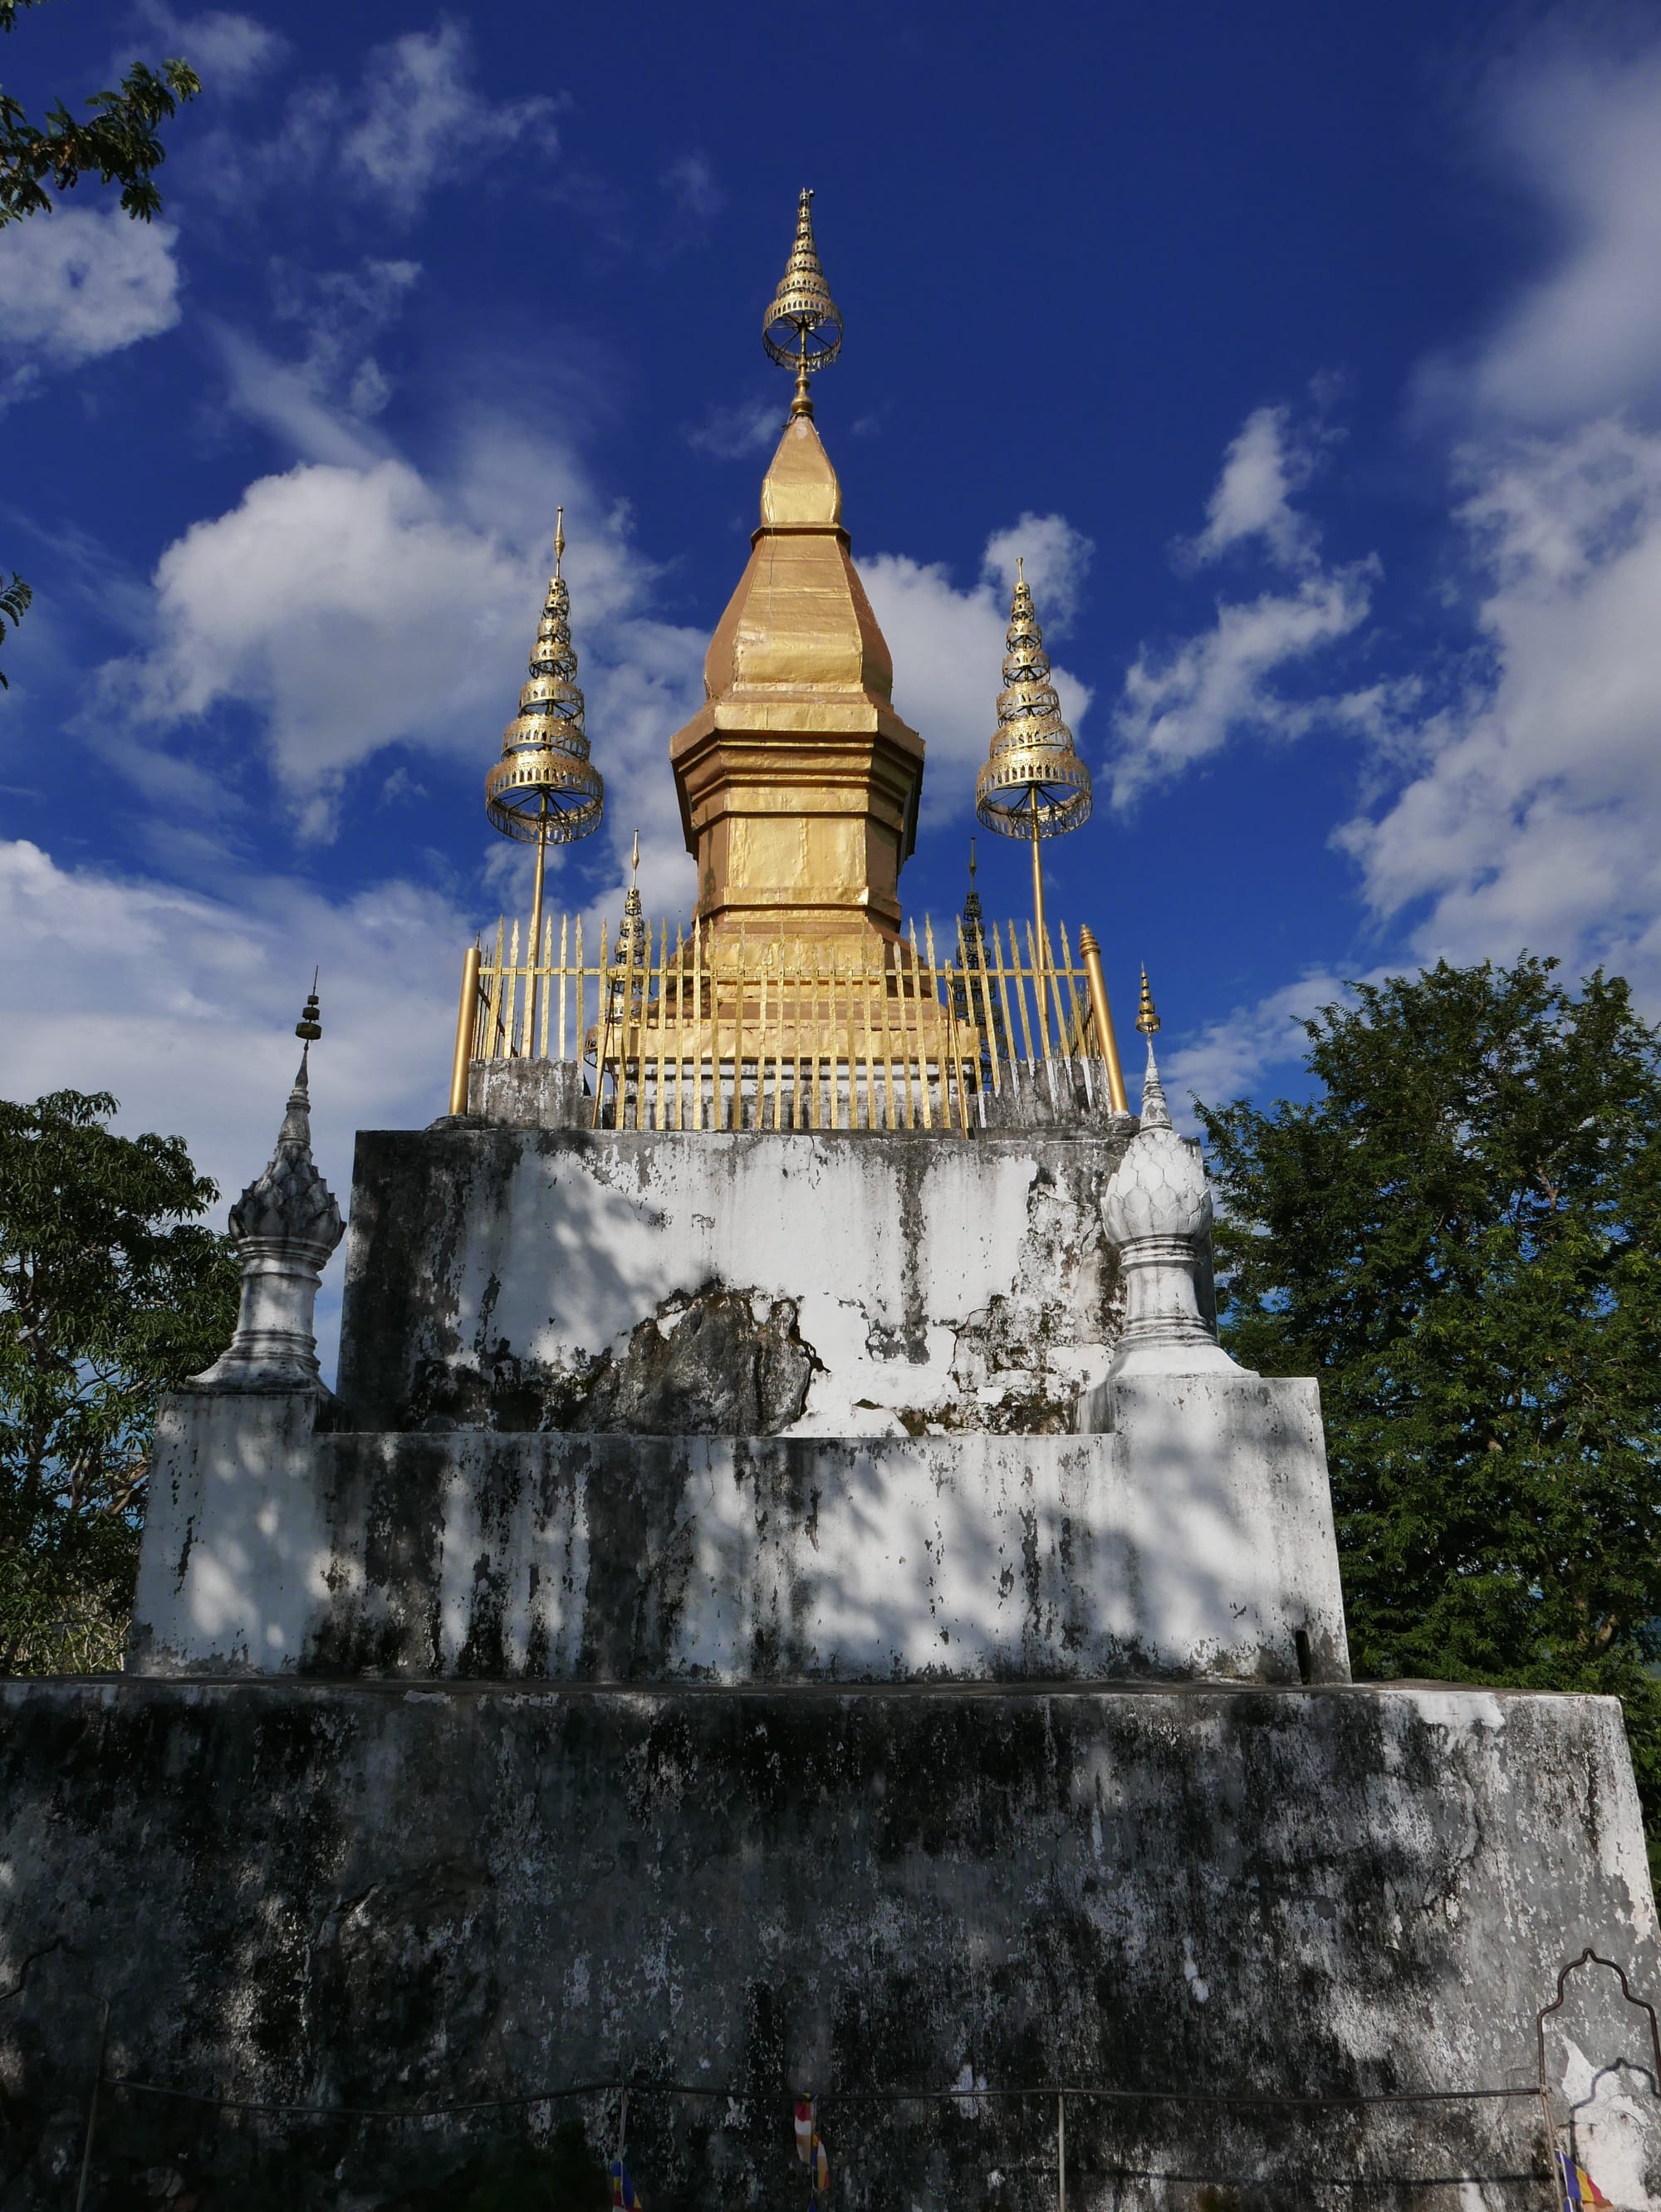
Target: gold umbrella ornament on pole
{"type": "Point", "coordinates": [544, 789]}
{"type": "Point", "coordinates": [1033, 784]}
{"type": "Point", "coordinates": [802, 328]}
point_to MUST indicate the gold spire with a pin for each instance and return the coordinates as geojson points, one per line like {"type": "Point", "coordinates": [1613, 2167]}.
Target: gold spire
{"type": "Point", "coordinates": [798, 781]}
{"type": "Point", "coordinates": [545, 789]}
{"type": "Point", "coordinates": [1033, 783]}
{"type": "Point", "coordinates": [1147, 1019]}
{"type": "Point", "coordinates": [802, 328]}
{"type": "Point", "coordinates": [309, 1027]}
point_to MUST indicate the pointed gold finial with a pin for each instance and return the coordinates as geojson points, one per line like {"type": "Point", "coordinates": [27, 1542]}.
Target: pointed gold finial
{"type": "Point", "coordinates": [971, 865]}
{"type": "Point", "coordinates": [802, 328]}
{"type": "Point", "coordinates": [1033, 784]}
{"type": "Point", "coordinates": [310, 1026]}
{"type": "Point", "coordinates": [633, 943]}
{"type": "Point", "coordinates": [545, 789]}
{"type": "Point", "coordinates": [1147, 1019]}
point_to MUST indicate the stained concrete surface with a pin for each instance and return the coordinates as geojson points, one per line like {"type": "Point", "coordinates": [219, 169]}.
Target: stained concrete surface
{"type": "Point", "coordinates": [1193, 1536]}
{"type": "Point", "coordinates": [496, 1275]}
{"type": "Point", "coordinates": [365, 1895]}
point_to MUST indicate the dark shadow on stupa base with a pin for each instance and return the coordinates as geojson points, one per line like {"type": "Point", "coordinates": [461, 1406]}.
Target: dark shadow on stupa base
{"type": "Point", "coordinates": [365, 1894]}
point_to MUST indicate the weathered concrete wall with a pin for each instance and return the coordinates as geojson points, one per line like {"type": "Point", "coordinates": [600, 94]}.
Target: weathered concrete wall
{"type": "Point", "coordinates": [841, 1284]}
{"type": "Point", "coordinates": [365, 1895]}
{"type": "Point", "coordinates": [1194, 1537]}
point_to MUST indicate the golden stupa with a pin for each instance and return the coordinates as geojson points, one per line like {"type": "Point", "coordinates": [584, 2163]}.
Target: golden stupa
{"type": "Point", "coordinates": [798, 781]}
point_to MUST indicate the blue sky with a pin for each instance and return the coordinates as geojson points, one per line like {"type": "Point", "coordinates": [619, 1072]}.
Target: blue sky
{"type": "Point", "coordinates": [1311, 356]}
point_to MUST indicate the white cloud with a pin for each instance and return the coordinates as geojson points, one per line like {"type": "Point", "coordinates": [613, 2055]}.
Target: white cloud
{"type": "Point", "coordinates": [690, 183]}
{"type": "Point", "coordinates": [346, 604]}
{"type": "Point", "coordinates": [1185, 703]}
{"type": "Point", "coordinates": [1530, 812]}
{"type": "Point", "coordinates": [354, 603]}
{"type": "Point", "coordinates": [342, 312]}
{"type": "Point", "coordinates": [229, 52]}
{"type": "Point", "coordinates": [422, 122]}
{"type": "Point", "coordinates": [79, 282]}
{"type": "Point", "coordinates": [1270, 460]}
{"type": "Point", "coordinates": [948, 645]}
{"type": "Point", "coordinates": [1580, 133]}
{"type": "Point", "coordinates": [292, 400]}
{"type": "Point", "coordinates": [416, 120]}
{"type": "Point", "coordinates": [1057, 559]}
{"type": "Point", "coordinates": [749, 427]}
{"type": "Point", "coordinates": [1524, 810]}
{"type": "Point", "coordinates": [183, 1006]}
{"type": "Point", "coordinates": [1228, 1057]}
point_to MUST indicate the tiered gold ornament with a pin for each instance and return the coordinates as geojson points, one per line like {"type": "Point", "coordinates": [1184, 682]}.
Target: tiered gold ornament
{"type": "Point", "coordinates": [1033, 785]}
{"type": "Point", "coordinates": [545, 789]}
{"type": "Point", "coordinates": [802, 328]}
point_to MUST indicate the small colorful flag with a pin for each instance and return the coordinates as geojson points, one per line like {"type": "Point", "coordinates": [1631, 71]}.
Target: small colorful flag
{"type": "Point", "coordinates": [624, 2197]}
{"type": "Point", "coordinates": [811, 2152]}
{"type": "Point", "coordinates": [1578, 2187]}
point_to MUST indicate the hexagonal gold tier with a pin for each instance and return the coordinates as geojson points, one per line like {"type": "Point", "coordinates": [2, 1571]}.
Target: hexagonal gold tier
{"type": "Point", "coordinates": [798, 782]}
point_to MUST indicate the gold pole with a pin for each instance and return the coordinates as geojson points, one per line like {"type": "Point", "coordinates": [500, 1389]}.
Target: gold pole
{"type": "Point", "coordinates": [464, 1022]}
{"type": "Point", "coordinates": [1105, 1039]}
{"type": "Point", "coordinates": [1038, 949]}
{"type": "Point", "coordinates": [536, 896]}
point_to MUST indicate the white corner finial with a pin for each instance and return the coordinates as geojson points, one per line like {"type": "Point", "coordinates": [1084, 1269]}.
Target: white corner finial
{"type": "Point", "coordinates": [1156, 1113]}
{"type": "Point", "coordinates": [1156, 1210]}
{"type": "Point", "coordinates": [285, 1226]}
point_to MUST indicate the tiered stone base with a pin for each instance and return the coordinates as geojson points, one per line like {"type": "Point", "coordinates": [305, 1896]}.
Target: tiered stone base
{"type": "Point", "coordinates": [367, 1895]}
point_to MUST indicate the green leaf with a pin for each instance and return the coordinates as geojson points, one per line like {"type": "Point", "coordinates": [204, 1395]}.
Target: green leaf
{"type": "Point", "coordinates": [111, 1292]}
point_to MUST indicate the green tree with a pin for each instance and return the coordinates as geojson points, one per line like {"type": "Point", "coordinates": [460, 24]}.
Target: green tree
{"type": "Point", "coordinates": [111, 1292]}
{"type": "Point", "coordinates": [117, 142]}
{"type": "Point", "coordinates": [1460, 1236]}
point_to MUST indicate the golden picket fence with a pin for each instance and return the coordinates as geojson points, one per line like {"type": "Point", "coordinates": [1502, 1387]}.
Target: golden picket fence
{"type": "Point", "coordinates": [679, 1034]}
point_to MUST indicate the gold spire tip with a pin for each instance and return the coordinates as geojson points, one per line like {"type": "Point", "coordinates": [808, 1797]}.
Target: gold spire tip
{"type": "Point", "coordinates": [1033, 783]}
{"type": "Point", "coordinates": [545, 789]}
{"type": "Point", "coordinates": [802, 328]}
{"type": "Point", "coordinates": [634, 857]}
{"type": "Point", "coordinates": [1147, 1018]}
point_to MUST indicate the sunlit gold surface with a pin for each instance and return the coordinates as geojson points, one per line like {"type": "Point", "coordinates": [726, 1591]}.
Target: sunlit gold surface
{"type": "Point", "coordinates": [466, 1026]}
{"type": "Point", "coordinates": [1106, 1043]}
{"type": "Point", "coordinates": [682, 1032]}
{"type": "Point", "coordinates": [798, 781]}
{"type": "Point", "coordinates": [1147, 1019]}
